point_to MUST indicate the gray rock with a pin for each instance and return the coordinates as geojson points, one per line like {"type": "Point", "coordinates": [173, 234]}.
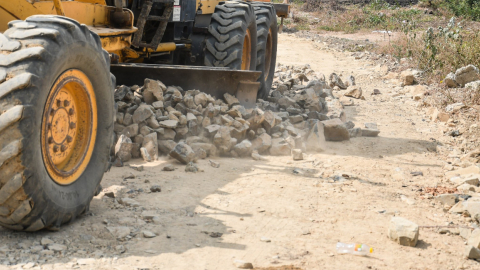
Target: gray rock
{"type": "Point", "coordinates": [335, 130]}
{"type": "Point", "coordinates": [370, 132]}
{"type": "Point", "coordinates": [153, 91]}
{"type": "Point", "coordinates": [166, 146]}
{"type": "Point", "coordinates": [123, 148]}
{"type": "Point", "coordinates": [145, 155]}
{"type": "Point", "coordinates": [131, 130]}
{"type": "Point", "coordinates": [183, 153]}
{"type": "Point", "coordinates": [336, 81]}
{"type": "Point", "coordinates": [262, 143]}
{"type": "Point", "coordinates": [371, 125]}
{"type": "Point", "coordinates": [286, 102]}
{"type": "Point", "coordinates": [280, 148]}
{"type": "Point", "coordinates": [350, 81]}
{"type": "Point", "coordinates": [297, 154]}
{"type": "Point", "coordinates": [150, 143]}
{"type": "Point", "coordinates": [142, 113]}
{"type": "Point", "coordinates": [472, 252]}
{"type": "Point", "coordinates": [447, 199]}
{"type": "Point", "coordinates": [450, 80]}
{"type": "Point", "coordinates": [191, 167]}
{"type": "Point", "coordinates": [403, 231]}
{"type": "Point", "coordinates": [120, 92]}
{"type": "Point", "coordinates": [243, 264]}
{"type": "Point", "coordinates": [256, 156]}
{"type": "Point", "coordinates": [158, 105]}
{"type": "Point", "coordinates": [315, 140]}
{"type": "Point", "coordinates": [354, 91]}
{"type": "Point", "coordinates": [129, 202]}
{"type": "Point", "coordinates": [355, 132]}
{"type": "Point", "coordinates": [168, 168]}
{"type": "Point", "coordinates": [148, 234]}
{"type": "Point", "coordinates": [119, 232]}
{"type": "Point", "coordinates": [201, 99]}
{"type": "Point", "coordinates": [214, 164]}
{"type": "Point", "coordinates": [167, 134]}
{"type": "Point", "coordinates": [231, 100]}
{"type": "Point", "coordinates": [152, 122]}
{"type": "Point", "coordinates": [209, 148]}
{"type": "Point", "coordinates": [57, 247]}
{"type": "Point", "coordinates": [168, 124]}
{"type": "Point", "coordinates": [127, 119]}
{"type": "Point", "coordinates": [467, 74]}
{"type": "Point", "coordinates": [244, 148]}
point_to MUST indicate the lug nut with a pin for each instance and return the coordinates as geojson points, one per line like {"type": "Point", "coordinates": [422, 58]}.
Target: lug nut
{"type": "Point", "coordinates": [63, 148]}
{"type": "Point", "coordinates": [69, 139]}
{"type": "Point", "coordinates": [52, 112]}
{"type": "Point", "coordinates": [55, 148]}
{"type": "Point", "coordinates": [66, 103]}
{"type": "Point", "coordinates": [59, 103]}
{"type": "Point", "coordinates": [72, 125]}
{"type": "Point", "coordinates": [50, 140]}
{"type": "Point", "coordinates": [70, 111]}
{"type": "Point", "coordinates": [49, 125]}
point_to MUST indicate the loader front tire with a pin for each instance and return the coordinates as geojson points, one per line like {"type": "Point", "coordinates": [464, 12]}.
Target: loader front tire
{"type": "Point", "coordinates": [267, 38]}
{"type": "Point", "coordinates": [232, 37]}
{"type": "Point", "coordinates": [56, 121]}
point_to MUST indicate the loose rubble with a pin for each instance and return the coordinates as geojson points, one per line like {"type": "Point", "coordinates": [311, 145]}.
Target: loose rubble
{"type": "Point", "coordinates": [188, 125]}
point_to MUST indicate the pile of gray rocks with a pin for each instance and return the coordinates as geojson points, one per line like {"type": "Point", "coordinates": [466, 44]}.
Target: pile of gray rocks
{"type": "Point", "coordinates": [300, 113]}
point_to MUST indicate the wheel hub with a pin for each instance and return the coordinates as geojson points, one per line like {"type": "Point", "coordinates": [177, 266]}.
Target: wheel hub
{"type": "Point", "coordinates": [69, 127]}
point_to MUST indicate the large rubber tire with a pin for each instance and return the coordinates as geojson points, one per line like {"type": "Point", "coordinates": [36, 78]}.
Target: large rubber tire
{"type": "Point", "coordinates": [267, 39]}
{"type": "Point", "coordinates": [227, 30]}
{"type": "Point", "coordinates": [33, 54]}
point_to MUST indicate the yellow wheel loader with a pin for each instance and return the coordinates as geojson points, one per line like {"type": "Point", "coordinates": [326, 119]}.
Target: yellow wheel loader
{"type": "Point", "coordinates": [60, 62]}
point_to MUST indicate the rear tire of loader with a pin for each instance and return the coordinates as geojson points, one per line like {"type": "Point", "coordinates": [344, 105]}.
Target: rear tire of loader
{"type": "Point", "coordinates": [232, 38]}
{"type": "Point", "coordinates": [54, 147]}
{"type": "Point", "coordinates": [267, 38]}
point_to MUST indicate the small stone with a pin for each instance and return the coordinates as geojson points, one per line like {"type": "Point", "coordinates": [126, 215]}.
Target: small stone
{"type": "Point", "coordinates": [354, 91]}
{"type": "Point", "coordinates": [371, 125]}
{"type": "Point", "coordinates": [231, 100]}
{"type": "Point", "coordinates": [447, 199]}
{"type": "Point", "coordinates": [155, 188]}
{"type": "Point", "coordinates": [407, 77]}
{"type": "Point", "coordinates": [191, 167]}
{"type": "Point", "coordinates": [119, 232]}
{"type": "Point", "coordinates": [370, 132]}
{"type": "Point", "coordinates": [168, 124]}
{"type": "Point", "coordinates": [297, 154]}
{"type": "Point", "coordinates": [450, 80]}
{"type": "Point", "coordinates": [214, 164]}
{"type": "Point", "coordinates": [56, 247]}
{"type": "Point", "coordinates": [403, 231]}
{"type": "Point", "coordinates": [265, 239]}
{"type": "Point", "coordinates": [335, 130]}
{"type": "Point", "coordinates": [129, 202]}
{"type": "Point", "coordinates": [346, 101]}
{"type": "Point", "coordinates": [376, 92]}
{"type": "Point", "coordinates": [168, 168]}
{"type": "Point", "coordinates": [243, 264]}
{"type": "Point", "coordinates": [46, 241]}
{"type": "Point", "coordinates": [148, 234]}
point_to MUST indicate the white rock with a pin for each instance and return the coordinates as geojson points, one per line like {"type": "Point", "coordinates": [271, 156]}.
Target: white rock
{"type": "Point", "coordinates": [243, 264]}
{"type": "Point", "coordinates": [149, 234]}
{"type": "Point", "coordinates": [403, 231]}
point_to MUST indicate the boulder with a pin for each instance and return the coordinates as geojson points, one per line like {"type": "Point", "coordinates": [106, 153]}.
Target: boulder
{"type": "Point", "coordinates": [262, 143]}
{"type": "Point", "coordinates": [335, 130]}
{"type": "Point", "coordinates": [403, 231]}
{"type": "Point", "coordinates": [336, 81]}
{"type": "Point", "coordinates": [123, 148]}
{"type": "Point", "coordinates": [231, 100]}
{"type": "Point", "coordinates": [450, 80]}
{"type": "Point", "coordinates": [183, 153]}
{"type": "Point", "coordinates": [407, 77]}
{"type": "Point", "coordinates": [168, 124]}
{"type": "Point", "coordinates": [145, 155]}
{"type": "Point", "coordinates": [280, 148]}
{"type": "Point", "coordinates": [243, 149]}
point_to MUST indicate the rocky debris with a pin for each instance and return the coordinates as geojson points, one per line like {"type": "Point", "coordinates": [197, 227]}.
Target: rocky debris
{"type": "Point", "coordinates": [114, 191]}
{"type": "Point", "coordinates": [256, 156]}
{"type": "Point", "coordinates": [120, 232]}
{"type": "Point", "coordinates": [447, 199]}
{"type": "Point", "coordinates": [370, 132]}
{"type": "Point", "coordinates": [183, 153]}
{"type": "Point", "coordinates": [403, 231]}
{"type": "Point", "coordinates": [335, 130]}
{"type": "Point", "coordinates": [188, 125]}
{"type": "Point", "coordinates": [191, 167]}
{"type": "Point", "coordinates": [467, 74]}
{"type": "Point", "coordinates": [129, 202]}
{"type": "Point", "coordinates": [243, 264]}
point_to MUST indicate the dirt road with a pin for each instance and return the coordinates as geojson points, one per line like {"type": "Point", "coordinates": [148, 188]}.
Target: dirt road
{"type": "Point", "coordinates": [272, 213]}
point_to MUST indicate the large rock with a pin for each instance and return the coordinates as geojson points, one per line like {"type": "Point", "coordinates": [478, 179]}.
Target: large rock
{"type": "Point", "coordinates": [222, 138]}
{"type": "Point", "coordinates": [209, 148]}
{"type": "Point", "coordinates": [183, 153]}
{"type": "Point", "coordinates": [262, 143]}
{"type": "Point", "coordinates": [166, 146]}
{"type": "Point", "coordinates": [153, 91]}
{"type": "Point", "coordinates": [467, 74]}
{"type": "Point", "coordinates": [123, 148]}
{"type": "Point", "coordinates": [244, 148]}
{"type": "Point", "coordinates": [403, 231]}
{"type": "Point", "coordinates": [472, 252]}
{"type": "Point", "coordinates": [354, 91]}
{"type": "Point", "coordinates": [142, 113]}
{"type": "Point", "coordinates": [450, 80]}
{"type": "Point", "coordinates": [150, 143]}
{"type": "Point", "coordinates": [336, 81]}
{"type": "Point", "coordinates": [231, 100]}
{"type": "Point", "coordinates": [335, 130]}
{"type": "Point", "coordinates": [315, 140]}
{"type": "Point", "coordinates": [312, 101]}
{"type": "Point", "coordinates": [168, 124]}
{"type": "Point", "coordinates": [280, 148]}
{"type": "Point", "coordinates": [131, 130]}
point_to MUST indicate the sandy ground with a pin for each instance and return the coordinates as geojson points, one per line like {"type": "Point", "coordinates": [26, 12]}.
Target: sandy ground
{"type": "Point", "coordinates": [303, 213]}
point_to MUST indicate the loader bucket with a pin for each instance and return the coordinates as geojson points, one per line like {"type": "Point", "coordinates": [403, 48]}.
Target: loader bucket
{"type": "Point", "coordinates": [214, 81]}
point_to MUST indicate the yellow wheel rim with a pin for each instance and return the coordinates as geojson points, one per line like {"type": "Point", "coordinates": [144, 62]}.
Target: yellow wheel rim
{"type": "Point", "coordinates": [69, 127]}
{"type": "Point", "coordinates": [268, 53]}
{"type": "Point", "coordinates": [247, 51]}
